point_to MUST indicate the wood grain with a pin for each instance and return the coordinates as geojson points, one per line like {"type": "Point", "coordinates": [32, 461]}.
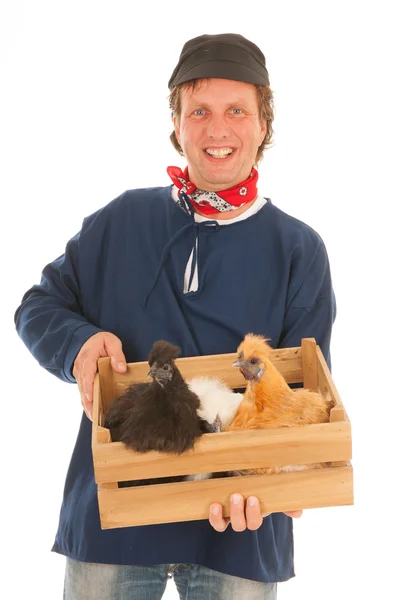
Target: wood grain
{"type": "Point", "coordinates": [287, 360]}
{"type": "Point", "coordinates": [107, 384]}
{"type": "Point", "coordinates": [327, 387]}
{"type": "Point", "coordinates": [325, 381]}
{"type": "Point", "coordinates": [310, 488]}
{"type": "Point", "coordinates": [310, 365]}
{"type": "Point", "coordinates": [188, 501]}
{"type": "Point", "coordinates": [97, 402]}
{"type": "Point", "coordinates": [227, 451]}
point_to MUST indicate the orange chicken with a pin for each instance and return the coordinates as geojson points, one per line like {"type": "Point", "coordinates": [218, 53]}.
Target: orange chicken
{"type": "Point", "coordinates": [268, 400]}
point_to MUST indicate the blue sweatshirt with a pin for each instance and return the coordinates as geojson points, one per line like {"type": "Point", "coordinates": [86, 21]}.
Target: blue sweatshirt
{"type": "Point", "coordinates": [123, 272]}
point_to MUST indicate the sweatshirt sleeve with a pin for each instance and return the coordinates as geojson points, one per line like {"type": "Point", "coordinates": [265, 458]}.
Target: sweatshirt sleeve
{"type": "Point", "coordinates": [50, 320]}
{"type": "Point", "coordinates": [311, 306]}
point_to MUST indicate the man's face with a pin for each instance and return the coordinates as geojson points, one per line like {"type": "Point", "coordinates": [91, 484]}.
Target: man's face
{"type": "Point", "coordinates": [219, 132]}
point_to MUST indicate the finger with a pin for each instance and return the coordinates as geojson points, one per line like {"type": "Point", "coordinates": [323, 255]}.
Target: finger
{"type": "Point", "coordinates": [76, 371]}
{"type": "Point", "coordinates": [89, 369]}
{"type": "Point", "coordinates": [295, 514]}
{"type": "Point", "coordinates": [253, 513]}
{"type": "Point", "coordinates": [84, 386]}
{"type": "Point", "coordinates": [78, 378]}
{"type": "Point", "coordinates": [216, 519]}
{"type": "Point", "coordinates": [88, 408]}
{"type": "Point", "coordinates": [238, 520]}
{"type": "Point", "coordinates": [113, 347]}
{"type": "Point", "coordinates": [86, 405]}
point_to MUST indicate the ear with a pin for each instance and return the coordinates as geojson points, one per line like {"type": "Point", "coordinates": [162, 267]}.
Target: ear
{"type": "Point", "coordinates": [177, 129]}
{"type": "Point", "coordinates": [263, 131]}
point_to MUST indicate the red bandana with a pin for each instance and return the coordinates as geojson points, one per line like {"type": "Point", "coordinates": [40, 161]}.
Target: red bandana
{"type": "Point", "coordinates": [212, 202]}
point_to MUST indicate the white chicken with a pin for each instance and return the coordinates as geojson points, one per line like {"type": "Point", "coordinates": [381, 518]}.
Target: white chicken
{"type": "Point", "coordinates": [218, 405]}
{"type": "Point", "coordinates": [217, 400]}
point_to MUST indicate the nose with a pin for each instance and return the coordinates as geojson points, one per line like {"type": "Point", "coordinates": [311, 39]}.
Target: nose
{"type": "Point", "coordinates": [217, 128]}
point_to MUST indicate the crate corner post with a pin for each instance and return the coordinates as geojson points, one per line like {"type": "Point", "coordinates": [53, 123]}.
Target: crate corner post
{"type": "Point", "coordinates": [107, 383]}
{"type": "Point", "coordinates": [310, 364]}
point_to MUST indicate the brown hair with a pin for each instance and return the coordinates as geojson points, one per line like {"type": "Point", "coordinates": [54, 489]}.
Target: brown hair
{"type": "Point", "coordinates": [265, 107]}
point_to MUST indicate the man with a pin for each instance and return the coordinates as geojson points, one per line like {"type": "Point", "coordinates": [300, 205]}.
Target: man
{"type": "Point", "coordinates": [199, 264]}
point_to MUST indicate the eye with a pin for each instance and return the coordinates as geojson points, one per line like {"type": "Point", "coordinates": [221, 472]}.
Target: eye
{"type": "Point", "coordinates": [166, 367]}
{"type": "Point", "coordinates": [237, 111]}
{"type": "Point", "coordinates": [253, 361]}
{"type": "Point", "coordinates": [199, 112]}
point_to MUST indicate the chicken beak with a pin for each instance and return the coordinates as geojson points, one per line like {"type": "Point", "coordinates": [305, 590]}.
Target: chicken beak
{"type": "Point", "coordinates": [217, 423]}
{"type": "Point", "coordinates": [248, 371]}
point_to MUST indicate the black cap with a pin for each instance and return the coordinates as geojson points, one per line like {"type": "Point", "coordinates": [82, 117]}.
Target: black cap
{"type": "Point", "coordinates": [224, 56]}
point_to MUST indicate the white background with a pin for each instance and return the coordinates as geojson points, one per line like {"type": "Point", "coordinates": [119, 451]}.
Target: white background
{"type": "Point", "coordinates": [84, 116]}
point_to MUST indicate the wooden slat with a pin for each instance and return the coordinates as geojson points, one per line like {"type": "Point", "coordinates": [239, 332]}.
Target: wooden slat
{"type": "Point", "coordinates": [103, 435]}
{"type": "Point", "coordinates": [287, 360]}
{"type": "Point", "coordinates": [325, 381]}
{"type": "Point", "coordinates": [337, 414]}
{"type": "Point", "coordinates": [108, 392]}
{"type": "Point", "coordinates": [327, 386]}
{"type": "Point", "coordinates": [107, 486]}
{"type": "Point", "coordinates": [96, 408]}
{"type": "Point", "coordinates": [226, 451]}
{"type": "Point", "coordinates": [188, 501]}
{"type": "Point", "coordinates": [310, 366]}
{"type": "Point", "coordinates": [100, 434]}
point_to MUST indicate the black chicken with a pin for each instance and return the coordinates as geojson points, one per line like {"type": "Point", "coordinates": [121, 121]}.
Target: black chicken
{"type": "Point", "coordinates": [160, 415]}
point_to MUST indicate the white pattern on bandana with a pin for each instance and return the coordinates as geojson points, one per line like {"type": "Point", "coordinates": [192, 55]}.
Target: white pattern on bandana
{"type": "Point", "coordinates": [203, 198]}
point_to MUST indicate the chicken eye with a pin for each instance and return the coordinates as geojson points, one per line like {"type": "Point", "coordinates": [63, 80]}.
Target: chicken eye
{"type": "Point", "coordinates": [253, 361]}
{"type": "Point", "coordinates": [166, 367]}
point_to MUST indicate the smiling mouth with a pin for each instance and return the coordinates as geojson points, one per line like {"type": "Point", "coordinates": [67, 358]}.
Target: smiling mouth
{"type": "Point", "coordinates": [219, 153]}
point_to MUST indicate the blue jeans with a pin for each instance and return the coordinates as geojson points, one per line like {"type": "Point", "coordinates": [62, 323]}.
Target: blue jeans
{"type": "Point", "coordinates": [92, 581]}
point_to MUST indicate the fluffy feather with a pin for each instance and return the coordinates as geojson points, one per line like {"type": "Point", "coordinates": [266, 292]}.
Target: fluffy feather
{"type": "Point", "coordinates": [217, 400]}
{"type": "Point", "coordinates": [268, 400]}
{"type": "Point", "coordinates": [162, 352]}
{"type": "Point", "coordinates": [218, 404]}
{"type": "Point", "coordinates": [160, 415]}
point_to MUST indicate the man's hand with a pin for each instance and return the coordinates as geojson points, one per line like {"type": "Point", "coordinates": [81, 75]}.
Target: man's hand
{"type": "Point", "coordinates": [85, 365]}
{"type": "Point", "coordinates": [242, 517]}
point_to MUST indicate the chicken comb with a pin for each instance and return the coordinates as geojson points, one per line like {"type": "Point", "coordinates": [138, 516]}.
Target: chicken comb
{"type": "Point", "coordinates": [253, 344]}
{"type": "Point", "coordinates": [163, 352]}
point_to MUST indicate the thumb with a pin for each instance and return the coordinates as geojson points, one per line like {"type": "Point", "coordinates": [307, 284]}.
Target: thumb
{"type": "Point", "coordinates": [113, 347]}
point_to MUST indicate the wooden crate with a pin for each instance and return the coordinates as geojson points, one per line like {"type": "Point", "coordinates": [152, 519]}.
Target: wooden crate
{"type": "Point", "coordinates": [225, 451]}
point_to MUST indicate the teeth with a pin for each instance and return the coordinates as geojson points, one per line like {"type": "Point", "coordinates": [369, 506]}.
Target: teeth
{"type": "Point", "coordinates": [220, 153]}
